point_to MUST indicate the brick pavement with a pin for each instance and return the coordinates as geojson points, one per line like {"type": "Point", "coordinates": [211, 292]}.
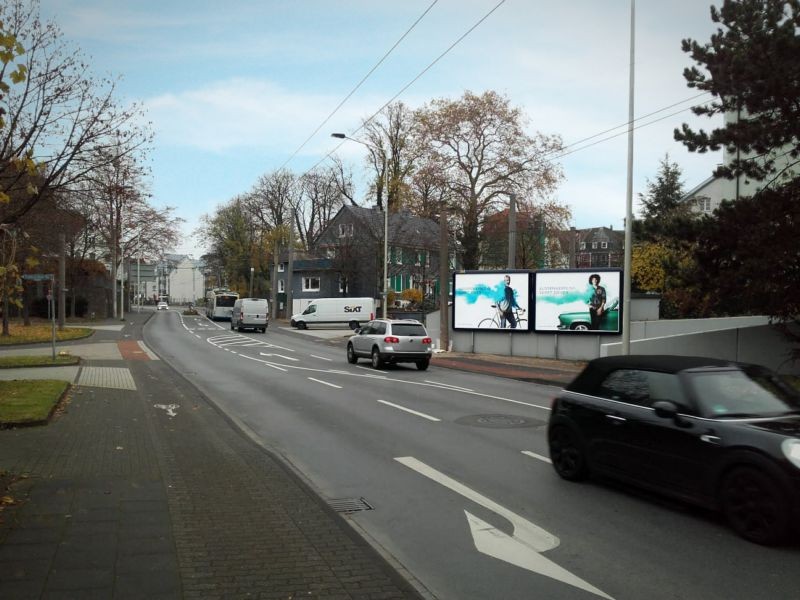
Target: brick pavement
{"type": "Point", "coordinates": [122, 500]}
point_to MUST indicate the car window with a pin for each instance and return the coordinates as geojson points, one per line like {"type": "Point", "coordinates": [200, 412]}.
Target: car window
{"type": "Point", "coordinates": [368, 328]}
{"type": "Point", "coordinates": [626, 385]}
{"type": "Point", "coordinates": [310, 310]}
{"type": "Point", "coordinates": [643, 387]}
{"type": "Point", "coordinates": [410, 329]}
{"type": "Point", "coordinates": [379, 328]}
{"type": "Point", "coordinates": [734, 393]}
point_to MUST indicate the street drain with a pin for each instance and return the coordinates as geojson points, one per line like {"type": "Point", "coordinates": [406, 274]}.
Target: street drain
{"type": "Point", "coordinates": [349, 505]}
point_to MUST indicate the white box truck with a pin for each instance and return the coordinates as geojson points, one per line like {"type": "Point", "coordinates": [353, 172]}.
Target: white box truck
{"type": "Point", "coordinates": [336, 311]}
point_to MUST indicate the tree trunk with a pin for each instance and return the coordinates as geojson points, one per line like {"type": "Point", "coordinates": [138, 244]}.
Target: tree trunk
{"type": "Point", "coordinates": [6, 332]}
{"type": "Point", "coordinates": [26, 305]}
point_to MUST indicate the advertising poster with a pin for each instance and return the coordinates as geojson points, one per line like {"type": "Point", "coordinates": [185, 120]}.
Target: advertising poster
{"type": "Point", "coordinates": [491, 300]}
{"type": "Point", "coordinates": [578, 301]}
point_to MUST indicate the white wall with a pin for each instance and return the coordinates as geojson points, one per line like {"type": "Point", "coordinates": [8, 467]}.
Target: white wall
{"type": "Point", "coordinates": [186, 283]}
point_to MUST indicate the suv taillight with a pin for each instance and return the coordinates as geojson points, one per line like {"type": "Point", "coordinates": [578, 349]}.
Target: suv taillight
{"type": "Point", "coordinates": [391, 340]}
{"type": "Point", "coordinates": [426, 340]}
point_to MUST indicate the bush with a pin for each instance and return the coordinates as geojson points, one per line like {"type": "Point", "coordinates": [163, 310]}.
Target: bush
{"type": "Point", "coordinates": [412, 295]}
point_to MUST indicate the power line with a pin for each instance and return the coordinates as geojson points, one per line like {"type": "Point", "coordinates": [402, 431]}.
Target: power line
{"type": "Point", "coordinates": [409, 84]}
{"type": "Point", "coordinates": [358, 85]}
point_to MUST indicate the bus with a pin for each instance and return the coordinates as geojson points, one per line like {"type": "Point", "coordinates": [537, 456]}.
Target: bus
{"type": "Point", "coordinates": [219, 304]}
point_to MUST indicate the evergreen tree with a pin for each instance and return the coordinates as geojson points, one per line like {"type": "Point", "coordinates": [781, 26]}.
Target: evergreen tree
{"type": "Point", "coordinates": [751, 66]}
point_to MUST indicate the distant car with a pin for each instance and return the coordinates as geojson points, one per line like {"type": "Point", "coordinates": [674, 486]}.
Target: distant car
{"type": "Point", "coordinates": [582, 321]}
{"type": "Point", "coordinates": [250, 313]}
{"type": "Point", "coordinates": [391, 341]}
{"type": "Point", "coordinates": [718, 434]}
{"type": "Point", "coordinates": [162, 306]}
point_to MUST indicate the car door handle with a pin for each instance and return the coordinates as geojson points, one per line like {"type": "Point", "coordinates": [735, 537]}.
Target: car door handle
{"type": "Point", "coordinates": [711, 439]}
{"type": "Point", "coordinates": [616, 419]}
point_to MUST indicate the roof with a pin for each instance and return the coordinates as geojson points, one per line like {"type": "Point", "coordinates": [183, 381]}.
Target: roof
{"type": "Point", "coordinates": [405, 228]}
{"type": "Point", "coordinates": [597, 369]}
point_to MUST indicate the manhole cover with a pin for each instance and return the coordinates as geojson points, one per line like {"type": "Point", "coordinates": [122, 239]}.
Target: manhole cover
{"type": "Point", "coordinates": [499, 421]}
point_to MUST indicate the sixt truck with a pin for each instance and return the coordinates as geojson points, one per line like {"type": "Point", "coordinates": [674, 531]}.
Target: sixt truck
{"type": "Point", "coordinates": [336, 311]}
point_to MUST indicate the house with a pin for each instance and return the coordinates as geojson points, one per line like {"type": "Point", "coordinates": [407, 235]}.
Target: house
{"type": "Point", "coordinates": [346, 260]}
{"type": "Point", "coordinates": [183, 280]}
{"type": "Point", "coordinates": [594, 247]}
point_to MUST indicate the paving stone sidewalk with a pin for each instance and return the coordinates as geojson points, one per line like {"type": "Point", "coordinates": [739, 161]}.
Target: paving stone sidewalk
{"type": "Point", "coordinates": [121, 500]}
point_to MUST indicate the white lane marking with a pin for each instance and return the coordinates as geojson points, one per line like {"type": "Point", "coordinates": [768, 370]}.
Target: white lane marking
{"type": "Point", "coordinates": [522, 549]}
{"type": "Point", "coordinates": [371, 369]}
{"type": "Point", "coordinates": [263, 362]}
{"type": "Point", "coordinates": [279, 355]}
{"type": "Point", "coordinates": [493, 542]}
{"type": "Point", "coordinates": [197, 336]}
{"type": "Point", "coordinates": [537, 456]}
{"type": "Point", "coordinates": [338, 387]}
{"type": "Point", "coordinates": [320, 357]}
{"type": "Point", "coordinates": [408, 410]}
{"type": "Point", "coordinates": [448, 385]}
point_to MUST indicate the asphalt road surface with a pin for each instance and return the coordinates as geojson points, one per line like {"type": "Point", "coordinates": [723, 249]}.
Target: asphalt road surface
{"type": "Point", "coordinates": [451, 470]}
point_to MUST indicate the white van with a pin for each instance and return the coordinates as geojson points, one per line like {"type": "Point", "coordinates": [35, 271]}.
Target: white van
{"type": "Point", "coordinates": [336, 311]}
{"type": "Point", "coordinates": [250, 313]}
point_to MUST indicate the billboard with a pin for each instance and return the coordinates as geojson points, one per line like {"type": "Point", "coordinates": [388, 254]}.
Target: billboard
{"type": "Point", "coordinates": [491, 300]}
{"type": "Point", "coordinates": [578, 301]}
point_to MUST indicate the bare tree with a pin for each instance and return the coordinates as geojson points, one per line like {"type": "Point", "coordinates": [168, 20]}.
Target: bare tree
{"type": "Point", "coordinates": [320, 199]}
{"type": "Point", "coordinates": [61, 118]}
{"type": "Point", "coordinates": [478, 144]}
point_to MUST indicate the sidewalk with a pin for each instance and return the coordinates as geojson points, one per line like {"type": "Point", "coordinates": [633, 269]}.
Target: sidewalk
{"type": "Point", "coordinates": [140, 488]}
{"type": "Point", "coordinates": [117, 498]}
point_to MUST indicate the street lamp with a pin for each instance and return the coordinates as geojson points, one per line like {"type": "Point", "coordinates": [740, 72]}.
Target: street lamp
{"type": "Point", "coordinates": [385, 293]}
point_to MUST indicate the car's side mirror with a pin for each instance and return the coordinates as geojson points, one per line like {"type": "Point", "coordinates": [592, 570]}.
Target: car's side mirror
{"type": "Point", "coordinates": [665, 409]}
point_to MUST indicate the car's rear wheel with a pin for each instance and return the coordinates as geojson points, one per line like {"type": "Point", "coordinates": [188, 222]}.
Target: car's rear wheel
{"type": "Point", "coordinates": [580, 327]}
{"type": "Point", "coordinates": [351, 355]}
{"type": "Point", "coordinates": [377, 361]}
{"type": "Point", "coordinates": [423, 365]}
{"type": "Point", "coordinates": [755, 506]}
{"type": "Point", "coordinates": [567, 453]}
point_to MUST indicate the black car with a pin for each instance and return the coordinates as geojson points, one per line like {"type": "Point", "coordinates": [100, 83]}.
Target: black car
{"type": "Point", "coordinates": [714, 433]}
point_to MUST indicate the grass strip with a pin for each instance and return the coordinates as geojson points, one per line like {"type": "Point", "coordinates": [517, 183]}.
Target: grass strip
{"type": "Point", "coordinates": [15, 362]}
{"type": "Point", "coordinates": [27, 401]}
{"type": "Point", "coordinates": [19, 334]}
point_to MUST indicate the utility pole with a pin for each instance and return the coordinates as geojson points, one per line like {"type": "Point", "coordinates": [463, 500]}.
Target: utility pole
{"type": "Point", "coordinates": [626, 284]}
{"type": "Point", "coordinates": [290, 270]}
{"type": "Point", "coordinates": [512, 231]}
{"type": "Point", "coordinates": [274, 286]}
{"type": "Point", "coordinates": [62, 279]}
{"type": "Point", "coordinates": [444, 281]}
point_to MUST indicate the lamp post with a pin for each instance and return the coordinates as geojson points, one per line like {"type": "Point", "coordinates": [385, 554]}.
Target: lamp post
{"type": "Point", "coordinates": [385, 292]}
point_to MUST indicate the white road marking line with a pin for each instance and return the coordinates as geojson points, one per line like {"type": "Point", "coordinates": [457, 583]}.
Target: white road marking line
{"type": "Point", "coordinates": [264, 363]}
{"type": "Point", "coordinates": [320, 357]}
{"type": "Point", "coordinates": [537, 456]}
{"type": "Point", "coordinates": [197, 336]}
{"type": "Point", "coordinates": [338, 387]}
{"type": "Point", "coordinates": [408, 410]}
{"type": "Point", "coordinates": [455, 387]}
{"type": "Point", "coordinates": [371, 369]}
{"type": "Point", "coordinates": [280, 355]}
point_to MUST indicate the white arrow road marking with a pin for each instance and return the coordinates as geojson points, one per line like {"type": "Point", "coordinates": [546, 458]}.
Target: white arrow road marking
{"type": "Point", "coordinates": [170, 408]}
{"type": "Point", "coordinates": [280, 356]}
{"type": "Point", "coordinates": [408, 410]}
{"type": "Point", "coordinates": [537, 456]}
{"type": "Point", "coordinates": [495, 543]}
{"type": "Point", "coordinates": [522, 549]}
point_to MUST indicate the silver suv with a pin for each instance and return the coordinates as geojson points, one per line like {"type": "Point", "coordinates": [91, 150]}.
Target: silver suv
{"type": "Point", "coordinates": [391, 341]}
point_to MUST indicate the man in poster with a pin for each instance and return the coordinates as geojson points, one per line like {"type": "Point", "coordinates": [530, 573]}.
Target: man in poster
{"type": "Point", "coordinates": [507, 304]}
{"type": "Point", "coordinates": [597, 302]}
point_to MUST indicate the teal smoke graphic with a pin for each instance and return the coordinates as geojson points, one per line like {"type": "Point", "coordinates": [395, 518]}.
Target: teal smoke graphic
{"type": "Point", "coordinates": [483, 290]}
{"type": "Point", "coordinates": [567, 297]}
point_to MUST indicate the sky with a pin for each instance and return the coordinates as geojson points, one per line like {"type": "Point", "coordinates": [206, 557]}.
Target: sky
{"type": "Point", "coordinates": [233, 89]}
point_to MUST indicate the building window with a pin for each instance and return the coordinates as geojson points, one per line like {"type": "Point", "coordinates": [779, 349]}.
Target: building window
{"type": "Point", "coordinates": [342, 285]}
{"type": "Point", "coordinates": [594, 245]}
{"type": "Point", "coordinates": [428, 260]}
{"type": "Point", "coordinates": [345, 230]}
{"type": "Point", "coordinates": [704, 204]}
{"type": "Point", "coordinates": [583, 245]}
{"type": "Point", "coordinates": [310, 284]}
{"type": "Point", "coordinates": [280, 268]}
{"type": "Point", "coordinates": [398, 255]}
{"type": "Point", "coordinates": [420, 258]}
{"type": "Point", "coordinates": [330, 252]}
{"type": "Point", "coordinates": [281, 286]}
{"type": "Point", "coordinates": [604, 245]}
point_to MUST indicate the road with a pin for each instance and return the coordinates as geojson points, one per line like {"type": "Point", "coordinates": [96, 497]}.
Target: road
{"type": "Point", "coordinates": [453, 469]}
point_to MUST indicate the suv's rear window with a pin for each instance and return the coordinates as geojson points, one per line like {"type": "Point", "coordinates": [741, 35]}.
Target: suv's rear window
{"type": "Point", "coordinates": [409, 329]}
